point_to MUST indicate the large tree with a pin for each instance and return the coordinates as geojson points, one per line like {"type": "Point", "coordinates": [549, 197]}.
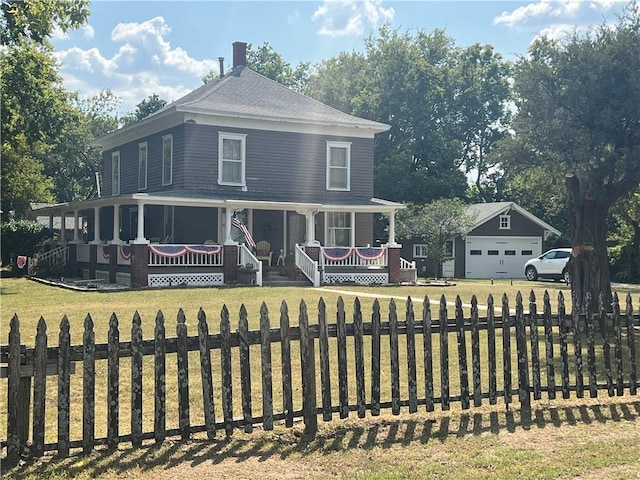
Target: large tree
{"type": "Point", "coordinates": [579, 117]}
{"type": "Point", "coordinates": [146, 107]}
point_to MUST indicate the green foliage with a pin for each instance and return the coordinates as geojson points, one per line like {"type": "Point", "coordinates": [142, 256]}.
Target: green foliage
{"type": "Point", "coordinates": [266, 61]}
{"type": "Point", "coordinates": [36, 19]}
{"type": "Point", "coordinates": [145, 108]}
{"type": "Point", "coordinates": [21, 237]}
{"type": "Point", "coordinates": [434, 224]}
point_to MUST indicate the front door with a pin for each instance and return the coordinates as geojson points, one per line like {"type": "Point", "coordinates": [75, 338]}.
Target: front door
{"type": "Point", "coordinates": [296, 230]}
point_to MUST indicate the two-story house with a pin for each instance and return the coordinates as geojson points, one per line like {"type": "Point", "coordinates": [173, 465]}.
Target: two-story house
{"type": "Point", "coordinates": [296, 172]}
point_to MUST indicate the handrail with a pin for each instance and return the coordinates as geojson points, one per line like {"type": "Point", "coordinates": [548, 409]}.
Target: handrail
{"type": "Point", "coordinates": [407, 265]}
{"type": "Point", "coordinates": [307, 266]}
{"type": "Point", "coordinates": [56, 256]}
{"type": "Point", "coordinates": [246, 256]}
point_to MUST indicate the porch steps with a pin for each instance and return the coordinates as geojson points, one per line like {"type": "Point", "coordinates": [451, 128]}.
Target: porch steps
{"type": "Point", "coordinates": [272, 278]}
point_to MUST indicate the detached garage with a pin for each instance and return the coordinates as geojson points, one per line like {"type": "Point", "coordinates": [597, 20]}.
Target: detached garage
{"type": "Point", "coordinates": [502, 239]}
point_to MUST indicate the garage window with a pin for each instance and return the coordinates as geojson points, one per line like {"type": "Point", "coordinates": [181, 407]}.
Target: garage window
{"type": "Point", "coordinates": [510, 252]}
{"type": "Point", "coordinates": [475, 252]}
{"type": "Point", "coordinates": [527, 252]}
{"type": "Point", "coordinates": [492, 252]}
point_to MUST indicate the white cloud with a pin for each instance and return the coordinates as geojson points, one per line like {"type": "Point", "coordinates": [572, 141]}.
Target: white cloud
{"type": "Point", "coordinates": [558, 31]}
{"type": "Point", "coordinates": [88, 32]}
{"type": "Point", "coordinates": [145, 63]}
{"type": "Point", "coordinates": [341, 18]}
{"type": "Point", "coordinates": [537, 11]}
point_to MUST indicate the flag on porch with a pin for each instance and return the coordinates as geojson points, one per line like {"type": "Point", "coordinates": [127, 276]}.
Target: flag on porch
{"type": "Point", "coordinates": [236, 222]}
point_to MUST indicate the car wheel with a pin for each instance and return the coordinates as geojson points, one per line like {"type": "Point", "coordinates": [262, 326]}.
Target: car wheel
{"type": "Point", "coordinates": [531, 273]}
{"type": "Point", "coordinates": [566, 276]}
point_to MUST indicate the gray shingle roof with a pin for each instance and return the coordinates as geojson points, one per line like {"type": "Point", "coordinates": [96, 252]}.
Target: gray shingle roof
{"type": "Point", "coordinates": [247, 94]}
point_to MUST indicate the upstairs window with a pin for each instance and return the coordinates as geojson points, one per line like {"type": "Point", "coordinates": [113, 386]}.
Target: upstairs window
{"type": "Point", "coordinates": [167, 160]}
{"type": "Point", "coordinates": [115, 173]}
{"type": "Point", "coordinates": [338, 166]}
{"type": "Point", "coordinates": [142, 166]}
{"type": "Point", "coordinates": [505, 222]}
{"type": "Point", "coordinates": [231, 159]}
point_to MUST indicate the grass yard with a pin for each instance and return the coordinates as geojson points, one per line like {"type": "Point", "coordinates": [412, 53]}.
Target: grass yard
{"type": "Point", "coordinates": [580, 438]}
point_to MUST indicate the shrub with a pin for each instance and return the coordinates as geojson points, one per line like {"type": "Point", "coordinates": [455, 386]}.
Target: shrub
{"type": "Point", "coordinates": [21, 237]}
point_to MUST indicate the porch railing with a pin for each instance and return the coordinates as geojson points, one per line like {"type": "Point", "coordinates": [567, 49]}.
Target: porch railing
{"type": "Point", "coordinates": [57, 256]}
{"type": "Point", "coordinates": [307, 266]}
{"type": "Point", "coordinates": [245, 256]}
{"type": "Point", "coordinates": [407, 265]}
{"type": "Point", "coordinates": [185, 255]}
{"type": "Point", "coordinates": [353, 256]}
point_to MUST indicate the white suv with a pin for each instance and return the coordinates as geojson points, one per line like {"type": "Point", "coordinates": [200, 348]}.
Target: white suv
{"type": "Point", "coordinates": [551, 264]}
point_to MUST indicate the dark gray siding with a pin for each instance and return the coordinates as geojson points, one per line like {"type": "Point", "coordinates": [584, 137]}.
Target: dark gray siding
{"type": "Point", "coordinates": [520, 227]}
{"type": "Point", "coordinates": [364, 229]}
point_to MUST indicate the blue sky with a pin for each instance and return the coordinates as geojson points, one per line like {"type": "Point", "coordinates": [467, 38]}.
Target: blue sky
{"type": "Point", "coordinates": [137, 48]}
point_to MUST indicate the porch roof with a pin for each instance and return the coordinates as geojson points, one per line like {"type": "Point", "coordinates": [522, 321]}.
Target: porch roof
{"type": "Point", "coordinates": [237, 200]}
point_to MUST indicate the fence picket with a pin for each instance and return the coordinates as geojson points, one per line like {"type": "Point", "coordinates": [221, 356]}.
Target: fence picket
{"type": "Point", "coordinates": [343, 387]}
{"type": "Point", "coordinates": [491, 351]}
{"type": "Point", "coordinates": [591, 348]}
{"type": "Point", "coordinates": [617, 326]}
{"type": "Point", "coordinates": [160, 383]}
{"type": "Point", "coordinates": [462, 355]}
{"type": "Point", "coordinates": [444, 355]}
{"type": "Point", "coordinates": [633, 375]}
{"type": "Point", "coordinates": [285, 354]}
{"type": "Point", "coordinates": [535, 348]}
{"type": "Point", "coordinates": [113, 382]}
{"type": "Point", "coordinates": [548, 343]}
{"type": "Point", "coordinates": [576, 314]}
{"type": "Point", "coordinates": [475, 353]}
{"type": "Point", "coordinates": [245, 369]}
{"type": "Point", "coordinates": [427, 350]}
{"type": "Point", "coordinates": [359, 358]}
{"type": "Point", "coordinates": [395, 358]}
{"type": "Point", "coordinates": [411, 358]}
{"type": "Point", "coordinates": [88, 386]}
{"type": "Point", "coordinates": [521, 347]}
{"type": "Point", "coordinates": [308, 364]}
{"type": "Point", "coordinates": [184, 421]}
{"type": "Point", "coordinates": [325, 374]}
{"type": "Point", "coordinates": [564, 352]}
{"type": "Point", "coordinates": [205, 374]}
{"type": "Point", "coordinates": [13, 400]}
{"type": "Point", "coordinates": [225, 363]}
{"type": "Point", "coordinates": [606, 347]}
{"type": "Point", "coordinates": [506, 349]}
{"type": "Point", "coordinates": [375, 359]}
{"type": "Point", "coordinates": [64, 387]}
{"type": "Point", "coordinates": [136, 380]}
{"type": "Point", "coordinates": [267, 373]}
{"type": "Point", "coordinates": [39, 388]}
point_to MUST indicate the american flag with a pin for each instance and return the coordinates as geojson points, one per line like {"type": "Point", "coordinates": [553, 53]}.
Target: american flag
{"type": "Point", "coordinates": [236, 222]}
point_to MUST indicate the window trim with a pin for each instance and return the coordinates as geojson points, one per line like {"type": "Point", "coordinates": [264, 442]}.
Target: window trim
{"type": "Point", "coordinates": [141, 146]}
{"type": "Point", "coordinates": [166, 181]}
{"type": "Point", "coordinates": [346, 146]}
{"type": "Point", "coordinates": [115, 173]}
{"type": "Point", "coordinates": [331, 228]}
{"type": "Point", "coordinates": [505, 222]}
{"type": "Point", "coordinates": [242, 137]}
{"type": "Point", "coordinates": [420, 250]}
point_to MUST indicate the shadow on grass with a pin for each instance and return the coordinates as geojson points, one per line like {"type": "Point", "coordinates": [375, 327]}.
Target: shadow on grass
{"type": "Point", "coordinates": [338, 435]}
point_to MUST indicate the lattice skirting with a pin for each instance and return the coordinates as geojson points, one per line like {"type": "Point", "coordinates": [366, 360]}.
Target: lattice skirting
{"type": "Point", "coordinates": [191, 279]}
{"type": "Point", "coordinates": [123, 279]}
{"type": "Point", "coordinates": [103, 275]}
{"type": "Point", "coordinates": [358, 278]}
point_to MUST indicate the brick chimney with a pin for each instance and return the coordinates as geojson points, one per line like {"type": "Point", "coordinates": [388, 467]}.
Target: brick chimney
{"type": "Point", "coordinates": [239, 54]}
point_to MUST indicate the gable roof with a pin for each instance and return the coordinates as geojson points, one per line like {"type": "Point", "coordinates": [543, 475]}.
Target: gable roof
{"type": "Point", "coordinates": [486, 211]}
{"type": "Point", "coordinates": [245, 94]}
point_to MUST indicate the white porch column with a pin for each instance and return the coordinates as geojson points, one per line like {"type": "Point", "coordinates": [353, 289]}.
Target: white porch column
{"type": "Point", "coordinates": [96, 226]}
{"type": "Point", "coordinates": [76, 230]}
{"type": "Point", "coordinates": [392, 228]}
{"type": "Point", "coordinates": [63, 227]}
{"type": "Point", "coordinates": [116, 225]}
{"type": "Point", "coordinates": [352, 230]}
{"type": "Point", "coordinates": [140, 233]}
{"type": "Point", "coordinates": [310, 218]}
{"type": "Point", "coordinates": [228, 214]}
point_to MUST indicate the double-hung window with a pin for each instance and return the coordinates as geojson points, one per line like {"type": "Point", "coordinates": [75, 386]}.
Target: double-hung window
{"type": "Point", "coordinates": [339, 229]}
{"type": "Point", "coordinates": [142, 166]}
{"type": "Point", "coordinates": [231, 159]}
{"type": "Point", "coordinates": [167, 160]}
{"type": "Point", "coordinates": [338, 166]}
{"type": "Point", "coordinates": [115, 173]}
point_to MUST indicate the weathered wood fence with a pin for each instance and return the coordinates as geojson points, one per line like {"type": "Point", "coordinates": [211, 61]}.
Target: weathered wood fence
{"type": "Point", "coordinates": [498, 370]}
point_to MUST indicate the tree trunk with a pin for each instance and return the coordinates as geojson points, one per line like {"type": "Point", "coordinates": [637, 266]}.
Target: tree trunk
{"type": "Point", "coordinates": [589, 263]}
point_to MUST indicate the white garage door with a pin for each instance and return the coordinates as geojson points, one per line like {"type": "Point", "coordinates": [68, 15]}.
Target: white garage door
{"type": "Point", "coordinates": [499, 257]}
